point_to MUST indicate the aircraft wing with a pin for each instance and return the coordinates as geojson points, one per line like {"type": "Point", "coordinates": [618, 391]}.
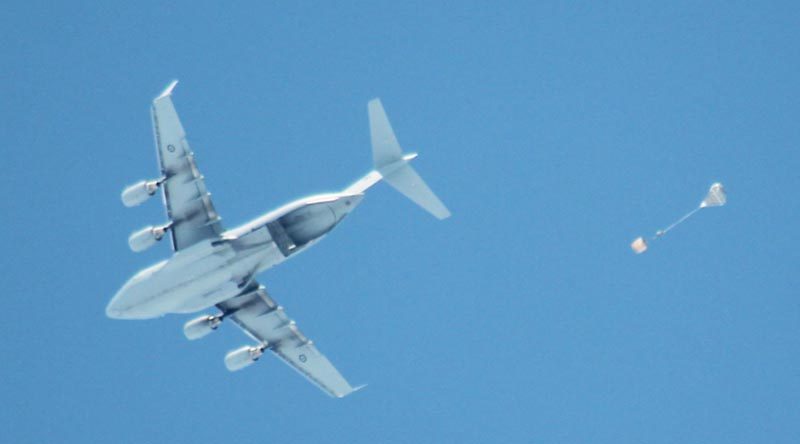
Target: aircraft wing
{"type": "Point", "coordinates": [186, 199]}
{"type": "Point", "coordinates": [255, 312]}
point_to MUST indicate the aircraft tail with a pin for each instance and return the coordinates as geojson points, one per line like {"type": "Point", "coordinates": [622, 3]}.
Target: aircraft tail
{"type": "Point", "coordinates": [393, 166]}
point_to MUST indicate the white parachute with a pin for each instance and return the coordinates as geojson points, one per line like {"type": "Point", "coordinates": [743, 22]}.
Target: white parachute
{"type": "Point", "coordinates": [716, 197]}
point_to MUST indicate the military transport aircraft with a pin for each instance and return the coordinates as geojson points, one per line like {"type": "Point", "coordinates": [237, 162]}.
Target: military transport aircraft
{"type": "Point", "coordinates": [214, 267]}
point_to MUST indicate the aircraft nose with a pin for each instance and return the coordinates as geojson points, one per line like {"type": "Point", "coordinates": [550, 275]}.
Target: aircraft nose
{"type": "Point", "coordinates": [120, 306]}
{"type": "Point", "coordinates": [128, 303]}
{"type": "Point", "coordinates": [115, 308]}
{"type": "Point", "coordinates": [114, 311]}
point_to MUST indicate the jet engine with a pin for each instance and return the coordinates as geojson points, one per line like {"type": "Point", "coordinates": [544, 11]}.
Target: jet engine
{"type": "Point", "coordinates": [197, 328]}
{"type": "Point", "coordinates": [146, 237]}
{"type": "Point", "coordinates": [139, 192]}
{"type": "Point", "coordinates": [242, 357]}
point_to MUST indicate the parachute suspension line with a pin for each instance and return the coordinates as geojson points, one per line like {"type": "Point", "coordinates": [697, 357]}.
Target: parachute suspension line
{"type": "Point", "coordinates": [660, 233]}
{"type": "Point", "coordinates": [716, 197]}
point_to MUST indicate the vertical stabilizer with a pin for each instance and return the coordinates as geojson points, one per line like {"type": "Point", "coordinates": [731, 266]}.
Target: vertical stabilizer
{"type": "Point", "coordinates": [385, 148]}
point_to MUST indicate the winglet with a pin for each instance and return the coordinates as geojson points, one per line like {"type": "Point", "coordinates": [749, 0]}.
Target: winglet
{"type": "Point", "coordinates": [168, 90]}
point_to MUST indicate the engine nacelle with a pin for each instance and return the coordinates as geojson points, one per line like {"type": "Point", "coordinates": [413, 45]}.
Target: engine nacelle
{"type": "Point", "coordinates": [242, 357]}
{"type": "Point", "coordinates": [197, 328]}
{"type": "Point", "coordinates": [146, 237]}
{"type": "Point", "coordinates": [139, 192]}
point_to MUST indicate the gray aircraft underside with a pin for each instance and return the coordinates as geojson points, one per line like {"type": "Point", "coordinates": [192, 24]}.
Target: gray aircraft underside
{"type": "Point", "coordinates": [212, 267]}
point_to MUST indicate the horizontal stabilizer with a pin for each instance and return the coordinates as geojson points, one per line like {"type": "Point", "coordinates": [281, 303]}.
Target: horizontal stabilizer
{"type": "Point", "coordinates": [408, 182]}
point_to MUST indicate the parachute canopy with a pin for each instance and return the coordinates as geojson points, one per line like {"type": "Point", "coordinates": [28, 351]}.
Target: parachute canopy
{"type": "Point", "coordinates": [716, 196]}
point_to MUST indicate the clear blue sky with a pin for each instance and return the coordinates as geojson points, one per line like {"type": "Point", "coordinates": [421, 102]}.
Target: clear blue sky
{"type": "Point", "coordinates": [556, 132]}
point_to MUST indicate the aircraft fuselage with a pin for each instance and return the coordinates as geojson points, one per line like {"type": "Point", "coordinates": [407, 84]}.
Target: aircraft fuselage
{"type": "Point", "coordinates": [215, 270]}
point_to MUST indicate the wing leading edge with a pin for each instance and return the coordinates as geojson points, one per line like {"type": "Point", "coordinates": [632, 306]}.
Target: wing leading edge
{"type": "Point", "coordinates": [187, 201]}
{"type": "Point", "coordinates": [255, 312]}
